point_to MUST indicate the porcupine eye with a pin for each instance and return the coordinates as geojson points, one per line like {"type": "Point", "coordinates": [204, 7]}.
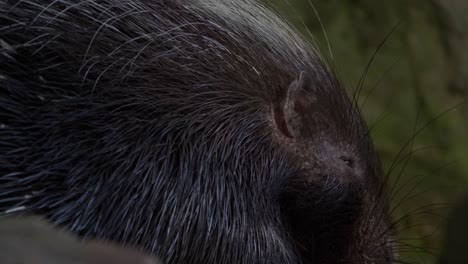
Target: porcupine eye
{"type": "Point", "coordinates": [348, 161]}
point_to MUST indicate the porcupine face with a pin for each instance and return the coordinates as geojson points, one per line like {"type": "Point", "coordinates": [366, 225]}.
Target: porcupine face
{"type": "Point", "coordinates": [200, 131]}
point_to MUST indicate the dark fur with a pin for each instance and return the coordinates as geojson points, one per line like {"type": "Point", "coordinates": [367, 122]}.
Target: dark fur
{"type": "Point", "coordinates": [160, 124]}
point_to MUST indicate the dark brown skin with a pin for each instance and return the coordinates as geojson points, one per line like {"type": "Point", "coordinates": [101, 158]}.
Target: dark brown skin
{"type": "Point", "coordinates": [32, 240]}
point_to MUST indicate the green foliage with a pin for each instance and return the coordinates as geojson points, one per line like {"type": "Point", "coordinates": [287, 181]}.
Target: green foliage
{"type": "Point", "coordinates": [418, 77]}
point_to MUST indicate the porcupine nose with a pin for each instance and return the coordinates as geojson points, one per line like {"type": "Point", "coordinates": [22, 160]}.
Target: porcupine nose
{"type": "Point", "coordinates": [321, 206]}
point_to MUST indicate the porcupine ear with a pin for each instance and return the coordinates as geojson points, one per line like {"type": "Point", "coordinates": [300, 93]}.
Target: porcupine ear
{"type": "Point", "coordinates": [31, 239]}
{"type": "Point", "coordinates": [290, 109]}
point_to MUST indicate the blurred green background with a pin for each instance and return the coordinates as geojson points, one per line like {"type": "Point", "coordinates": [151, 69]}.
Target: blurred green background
{"type": "Point", "coordinates": [417, 81]}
